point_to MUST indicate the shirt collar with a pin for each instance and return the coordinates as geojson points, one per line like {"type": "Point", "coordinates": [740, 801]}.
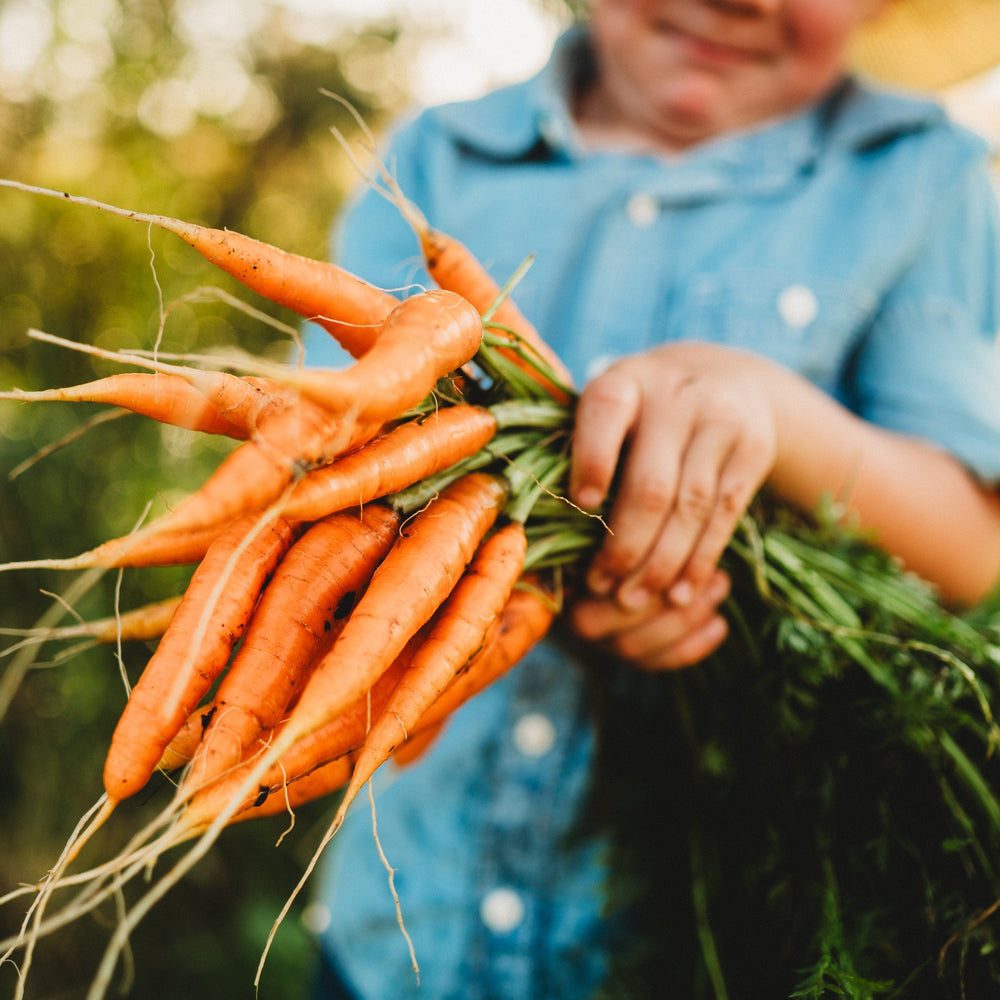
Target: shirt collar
{"type": "Point", "coordinates": [534, 118]}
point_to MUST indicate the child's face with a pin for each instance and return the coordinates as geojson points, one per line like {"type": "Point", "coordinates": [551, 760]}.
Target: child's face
{"type": "Point", "coordinates": [682, 71]}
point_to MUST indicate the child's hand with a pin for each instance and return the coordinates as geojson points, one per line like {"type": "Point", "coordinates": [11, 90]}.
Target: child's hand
{"type": "Point", "coordinates": [662, 636]}
{"type": "Point", "coordinates": [692, 433]}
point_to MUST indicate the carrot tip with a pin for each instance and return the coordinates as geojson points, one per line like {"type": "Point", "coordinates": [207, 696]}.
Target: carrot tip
{"type": "Point", "coordinates": [98, 821]}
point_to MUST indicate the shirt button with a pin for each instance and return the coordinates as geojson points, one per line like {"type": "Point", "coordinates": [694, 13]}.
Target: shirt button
{"type": "Point", "coordinates": [798, 306]}
{"type": "Point", "coordinates": [643, 210]}
{"type": "Point", "coordinates": [316, 918]}
{"type": "Point", "coordinates": [534, 734]}
{"type": "Point", "coordinates": [502, 910]}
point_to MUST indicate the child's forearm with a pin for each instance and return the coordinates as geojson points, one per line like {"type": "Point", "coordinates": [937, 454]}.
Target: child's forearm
{"type": "Point", "coordinates": [694, 429]}
{"type": "Point", "coordinates": [922, 505]}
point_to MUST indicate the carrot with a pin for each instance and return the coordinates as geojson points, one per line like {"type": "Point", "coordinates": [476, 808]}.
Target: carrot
{"type": "Point", "coordinates": [526, 617]}
{"type": "Point", "coordinates": [166, 398]}
{"type": "Point", "coordinates": [328, 752]}
{"type": "Point", "coordinates": [350, 309]}
{"type": "Point", "coordinates": [244, 403]}
{"type": "Point", "coordinates": [182, 748]}
{"type": "Point", "coordinates": [391, 461]}
{"type": "Point", "coordinates": [454, 266]}
{"type": "Point", "coordinates": [311, 593]}
{"type": "Point", "coordinates": [324, 780]}
{"type": "Point", "coordinates": [457, 635]}
{"type": "Point", "coordinates": [416, 745]}
{"type": "Point", "coordinates": [340, 736]}
{"type": "Point", "coordinates": [161, 548]}
{"type": "Point", "coordinates": [286, 445]}
{"type": "Point", "coordinates": [424, 338]}
{"type": "Point", "coordinates": [138, 625]}
{"type": "Point", "coordinates": [286, 440]}
{"type": "Point", "coordinates": [212, 616]}
{"type": "Point", "coordinates": [413, 580]}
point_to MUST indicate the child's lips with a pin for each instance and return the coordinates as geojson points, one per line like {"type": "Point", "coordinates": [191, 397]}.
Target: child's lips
{"type": "Point", "coordinates": [714, 50]}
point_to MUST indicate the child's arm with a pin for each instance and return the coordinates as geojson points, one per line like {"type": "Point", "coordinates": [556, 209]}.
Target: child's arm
{"type": "Point", "coordinates": [699, 428]}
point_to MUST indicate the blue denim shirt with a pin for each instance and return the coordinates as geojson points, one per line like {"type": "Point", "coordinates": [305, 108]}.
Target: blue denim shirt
{"type": "Point", "coordinates": [856, 242]}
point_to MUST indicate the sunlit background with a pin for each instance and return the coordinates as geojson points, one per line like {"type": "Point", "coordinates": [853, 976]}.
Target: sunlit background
{"type": "Point", "coordinates": [429, 50]}
{"type": "Point", "coordinates": [434, 51]}
{"type": "Point", "coordinates": [208, 110]}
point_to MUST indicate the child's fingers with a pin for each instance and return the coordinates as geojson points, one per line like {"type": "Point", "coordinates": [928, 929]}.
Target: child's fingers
{"type": "Point", "coordinates": [741, 478]}
{"type": "Point", "coordinates": [695, 506]}
{"type": "Point", "coordinates": [662, 636]}
{"type": "Point", "coordinates": [607, 411]}
{"type": "Point", "coordinates": [723, 469]}
{"type": "Point", "coordinates": [692, 648]}
{"type": "Point", "coordinates": [646, 490]}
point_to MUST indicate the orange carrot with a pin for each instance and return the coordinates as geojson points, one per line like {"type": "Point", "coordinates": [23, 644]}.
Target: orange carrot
{"type": "Point", "coordinates": [347, 307]}
{"type": "Point", "coordinates": [242, 402]}
{"type": "Point", "coordinates": [166, 398]}
{"type": "Point", "coordinates": [425, 337]}
{"type": "Point", "coordinates": [419, 572]}
{"type": "Point", "coordinates": [141, 624]}
{"type": "Point", "coordinates": [416, 745]}
{"type": "Point", "coordinates": [162, 548]}
{"type": "Point", "coordinates": [453, 266]}
{"type": "Point", "coordinates": [287, 439]}
{"type": "Point", "coordinates": [286, 445]}
{"type": "Point", "coordinates": [324, 780]}
{"type": "Point", "coordinates": [525, 619]}
{"type": "Point", "coordinates": [412, 450]}
{"type": "Point", "coordinates": [412, 581]}
{"type": "Point", "coordinates": [311, 593]}
{"type": "Point", "coordinates": [328, 752]}
{"type": "Point", "coordinates": [340, 736]}
{"type": "Point", "coordinates": [216, 609]}
{"type": "Point", "coordinates": [138, 625]}
{"type": "Point", "coordinates": [287, 442]}
{"type": "Point", "coordinates": [183, 746]}
{"type": "Point", "coordinates": [456, 636]}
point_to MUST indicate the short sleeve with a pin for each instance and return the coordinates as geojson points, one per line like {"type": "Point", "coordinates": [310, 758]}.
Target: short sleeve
{"type": "Point", "coordinates": [930, 366]}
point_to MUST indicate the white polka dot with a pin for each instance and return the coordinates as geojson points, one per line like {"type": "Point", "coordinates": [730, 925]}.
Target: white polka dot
{"type": "Point", "coordinates": [643, 210]}
{"type": "Point", "coordinates": [534, 734]}
{"type": "Point", "coordinates": [502, 910]}
{"type": "Point", "coordinates": [798, 306]}
{"type": "Point", "coordinates": [316, 918]}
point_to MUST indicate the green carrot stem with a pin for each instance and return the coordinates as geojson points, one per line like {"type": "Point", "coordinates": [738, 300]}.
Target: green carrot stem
{"type": "Point", "coordinates": [557, 549]}
{"type": "Point", "coordinates": [537, 413]}
{"type": "Point", "coordinates": [508, 287]}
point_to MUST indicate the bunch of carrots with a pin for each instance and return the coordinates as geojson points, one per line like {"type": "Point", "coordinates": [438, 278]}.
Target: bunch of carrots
{"type": "Point", "coordinates": [385, 540]}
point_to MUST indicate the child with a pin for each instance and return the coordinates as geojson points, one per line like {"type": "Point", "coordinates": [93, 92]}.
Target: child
{"type": "Point", "coordinates": [760, 272]}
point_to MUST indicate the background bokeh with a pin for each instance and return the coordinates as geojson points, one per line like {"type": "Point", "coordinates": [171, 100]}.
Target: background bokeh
{"type": "Point", "coordinates": [211, 111]}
